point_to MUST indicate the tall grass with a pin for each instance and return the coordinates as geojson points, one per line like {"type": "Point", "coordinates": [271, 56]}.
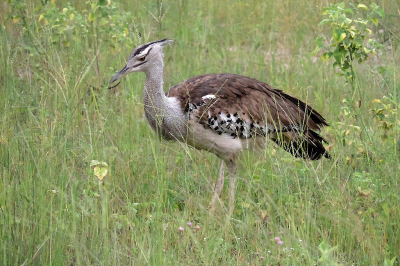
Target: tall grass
{"type": "Point", "coordinates": [57, 115]}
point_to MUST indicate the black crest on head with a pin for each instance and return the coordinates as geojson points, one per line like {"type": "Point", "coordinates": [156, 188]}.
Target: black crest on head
{"type": "Point", "coordinates": [144, 46]}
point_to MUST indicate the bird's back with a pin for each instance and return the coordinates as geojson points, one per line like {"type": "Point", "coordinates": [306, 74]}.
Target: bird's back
{"type": "Point", "coordinates": [240, 107]}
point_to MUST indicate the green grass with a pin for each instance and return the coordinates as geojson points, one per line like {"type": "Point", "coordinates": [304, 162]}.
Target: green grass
{"type": "Point", "coordinates": [56, 116]}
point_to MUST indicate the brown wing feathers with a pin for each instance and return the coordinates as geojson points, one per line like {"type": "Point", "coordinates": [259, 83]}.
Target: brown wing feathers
{"type": "Point", "coordinates": [245, 107]}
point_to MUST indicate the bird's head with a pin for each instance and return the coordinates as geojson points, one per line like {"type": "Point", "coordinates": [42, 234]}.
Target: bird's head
{"type": "Point", "coordinates": [143, 57]}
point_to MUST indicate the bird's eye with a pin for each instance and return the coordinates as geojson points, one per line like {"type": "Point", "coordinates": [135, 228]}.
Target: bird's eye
{"type": "Point", "coordinates": [141, 58]}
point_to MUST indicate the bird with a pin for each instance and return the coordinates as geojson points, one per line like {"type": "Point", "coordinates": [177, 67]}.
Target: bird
{"type": "Point", "coordinates": [224, 114]}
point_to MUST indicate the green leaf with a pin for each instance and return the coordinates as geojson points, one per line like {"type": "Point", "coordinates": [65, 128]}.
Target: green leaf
{"type": "Point", "coordinates": [93, 16]}
{"type": "Point", "coordinates": [100, 172]}
{"type": "Point", "coordinates": [348, 10]}
{"type": "Point", "coordinates": [339, 35]}
{"type": "Point", "coordinates": [362, 6]}
{"type": "Point", "coordinates": [389, 262]}
{"type": "Point", "coordinates": [103, 21]}
{"type": "Point", "coordinates": [357, 43]}
{"type": "Point", "coordinates": [325, 57]}
{"type": "Point", "coordinates": [100, 169]}
{"type": "Point", "coordinates": [102, 2]}
{"type": "Point", "coordinates": [339, 54]}
{"type": "Point", "coordinates": [346, 65]}
{"type": "Point", "coordinates": [375, 21]}
{"type": "Point", "coordinates": [318, 41]}
{"type": "Point", "coordinates": [374, 6]}
{"type": "Point", "coordinates": [342, 36]}
{"type": "Point", "coordinates": [347, 21]}
{"type": "Point", "coordinates": [324, 21]}
{"type": "Point", "coordinates": [346, 43]}
{"type": "Point", "coordinates": [319, 45]}
{"type": "Point", "coordinates": [339, 58]}
{"type": "Point", "coordinates": [380, 12]}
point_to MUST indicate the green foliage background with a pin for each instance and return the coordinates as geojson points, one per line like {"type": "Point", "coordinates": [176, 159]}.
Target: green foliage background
{"type": "Point", "coordinates": [56, 115]}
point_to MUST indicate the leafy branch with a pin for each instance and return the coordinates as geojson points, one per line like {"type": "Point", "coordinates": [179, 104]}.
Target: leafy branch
{"type": "Point", "coordinates": [349, 37]}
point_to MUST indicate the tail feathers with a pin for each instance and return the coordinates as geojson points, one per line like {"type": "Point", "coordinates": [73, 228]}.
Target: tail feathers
{"type": "Point", "coordinates": [309, 146]}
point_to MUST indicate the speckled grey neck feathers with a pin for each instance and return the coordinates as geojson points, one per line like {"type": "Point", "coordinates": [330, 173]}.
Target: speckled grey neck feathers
{"type": "Point", "coordinates": [163, 113]}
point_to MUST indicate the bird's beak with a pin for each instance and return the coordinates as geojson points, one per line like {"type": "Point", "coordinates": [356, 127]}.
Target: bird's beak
{"type": "Point", "coordinates": [119, 74]}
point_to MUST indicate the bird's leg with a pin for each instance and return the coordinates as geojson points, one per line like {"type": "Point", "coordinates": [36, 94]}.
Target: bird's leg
{"type": "Point", "coordinates": [218, 186]}
{"type": "Point", "coordinates": [231, 164]}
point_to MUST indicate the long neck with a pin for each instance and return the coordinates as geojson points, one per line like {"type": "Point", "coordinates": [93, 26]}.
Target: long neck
{"type": "Point", "coordinates": [163, 113]}
{"type": "Point", "coordinates": [153, 96]}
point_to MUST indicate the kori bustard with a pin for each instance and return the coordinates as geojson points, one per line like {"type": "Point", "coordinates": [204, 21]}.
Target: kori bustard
{"type": "Point", "coordinates": [224, 114]}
